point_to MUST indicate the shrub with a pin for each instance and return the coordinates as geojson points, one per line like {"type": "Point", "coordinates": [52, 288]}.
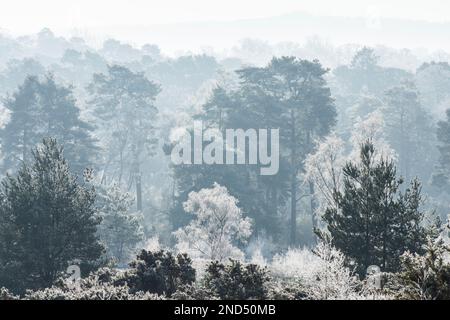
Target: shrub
{"type": "Point", "coordinates": [423, 277]}
{"type": "Point", "coordinates": [318, 274]}
{"type": "Point", "coordinates": [195, 291]}
{"type": "Point", "coordinates": [160, 272]}
{"type": "Point", "coordinates": [235, 281]}
{"type": "Point", "coordinates": [295, 264]}
{"type": "Point", "coordinates": [282, 289]}
{"type": "Point", "coordinates": [5, 294]}
{"type": "Point", "coordinates": [102, 285]}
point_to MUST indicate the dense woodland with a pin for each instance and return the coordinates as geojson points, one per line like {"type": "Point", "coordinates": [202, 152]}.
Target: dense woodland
{"type": "Point", "coordinates": [86, 137]}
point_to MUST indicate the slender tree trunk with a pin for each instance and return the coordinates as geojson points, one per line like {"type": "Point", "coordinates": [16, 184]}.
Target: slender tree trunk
{"type": "Point", "coordinates": [293, 240]}
{"type": "Point", "coordinates": [138, 192]}
{"type": "Point", "coordinates": [138, 179]}
{"type": "Point", "coordinates": [312, 199]}
{"type": "Point", "coordinates": [136, 176]}
{"type": "Point", "coordinates": [293, 235]}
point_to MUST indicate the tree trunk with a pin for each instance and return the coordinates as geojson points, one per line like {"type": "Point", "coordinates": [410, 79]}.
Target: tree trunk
{"type": "Point", "coordinates": [138, 180]}
{"type": "Point", "coordinates": [293, 240]}
{"type": "Point", "coordinates": [138, 191]}
{"type": "Point", "coordinates": [313, 205]}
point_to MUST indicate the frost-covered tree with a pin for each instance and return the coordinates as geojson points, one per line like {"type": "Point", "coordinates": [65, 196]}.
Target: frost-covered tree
{"type": "Point", "coordinates": [47, 221]}
{"type": "Point", "coordinates": [217, 226]}
{"type": "Point", "coordinates": [324, 168]}
{"type": "Point", "coordinates": [121, 228]}
{"type": "Point", "coordinates": [371, 128]}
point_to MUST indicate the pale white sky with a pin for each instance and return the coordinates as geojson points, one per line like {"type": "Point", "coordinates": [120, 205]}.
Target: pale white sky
{"type": "Point", "coordinates": [23, 16]}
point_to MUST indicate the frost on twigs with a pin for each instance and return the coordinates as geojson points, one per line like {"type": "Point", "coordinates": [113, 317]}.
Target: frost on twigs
{"type": "Point", "coordinates": [217, 226]}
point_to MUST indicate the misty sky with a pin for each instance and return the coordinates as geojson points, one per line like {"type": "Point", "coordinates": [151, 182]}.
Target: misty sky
{"type": "Point", "coordinates": [127, 19]}
{"type": "Point", "coordinates": [29, 16]}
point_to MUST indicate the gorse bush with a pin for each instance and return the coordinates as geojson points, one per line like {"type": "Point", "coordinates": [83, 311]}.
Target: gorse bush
{"type": "Point", "coordinates": [236, 281]}
{"type": "Point", "coordinates": [195, 291]}
{"type": "Point", "coordinates": [160, 272]}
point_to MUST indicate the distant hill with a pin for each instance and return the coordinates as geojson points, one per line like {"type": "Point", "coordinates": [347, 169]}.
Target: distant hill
{"type": "Point", "coordinates": [292, 27]}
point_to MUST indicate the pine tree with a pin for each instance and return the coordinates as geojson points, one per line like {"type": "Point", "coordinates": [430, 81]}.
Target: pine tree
{"type": "Point", "coordinates": [123, 104]}
{"type": "Point", "coordinates": [374, 223]}
{"type": "Point", "coordinates": [364, 74]}
{"type": "Point", "coordinates": [410, 131]}
{"type": "Point", "coordinates": [19, 133]}
{"type": "Point", "coordinates": [259, 196]}
{"type": "Point", "coordinates": [41, 109]}
{"type": "Point", "coordinates": [291, 94]}
{"type": "Point", "coordinates": [47, 221]}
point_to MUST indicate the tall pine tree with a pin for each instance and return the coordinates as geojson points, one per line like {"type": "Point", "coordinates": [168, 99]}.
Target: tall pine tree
{"type": "Point", "coordinates": [124, 108]}
{"type": "Point", "coordinates": [41, 109]}
{"type": "Point", "coordinates": [291, 94]}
